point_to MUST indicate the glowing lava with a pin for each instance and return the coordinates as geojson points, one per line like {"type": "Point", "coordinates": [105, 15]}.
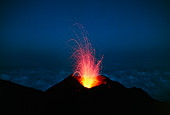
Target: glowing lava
{"type": "Point", "coordinates": [86, 66]}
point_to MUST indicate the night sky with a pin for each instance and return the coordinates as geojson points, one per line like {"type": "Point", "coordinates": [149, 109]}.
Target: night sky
{"type": "Point", "coordinates": [44, 27]}
{"type": "Point", "coordinates": [38, 31]}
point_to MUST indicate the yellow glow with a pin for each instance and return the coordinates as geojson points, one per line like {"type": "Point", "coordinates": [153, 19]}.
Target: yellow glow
{"type": "Point", "coordinates": [86, 65]}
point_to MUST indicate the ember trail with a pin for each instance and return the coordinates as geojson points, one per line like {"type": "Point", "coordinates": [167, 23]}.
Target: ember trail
{"type": "Point", "coordinates": [86, 65]}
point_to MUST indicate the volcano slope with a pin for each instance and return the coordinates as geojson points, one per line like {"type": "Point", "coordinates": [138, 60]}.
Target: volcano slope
{"type": "Point", "coordinates": [18, 99]}
{"type": "Point", "coordinates": [110, 97]}
{"type": "Point", "coordinates": [69, 96]}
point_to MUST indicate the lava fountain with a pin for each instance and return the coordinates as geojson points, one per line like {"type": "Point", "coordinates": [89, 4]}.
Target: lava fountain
{"type": "Point", "coordinates": [86, 67]}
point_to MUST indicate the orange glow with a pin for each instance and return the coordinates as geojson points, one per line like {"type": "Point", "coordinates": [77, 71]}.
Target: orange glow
{"type": "Point", "coordinates": [86, 66]}
{"type": "Point", "coordinates": [90, 82]}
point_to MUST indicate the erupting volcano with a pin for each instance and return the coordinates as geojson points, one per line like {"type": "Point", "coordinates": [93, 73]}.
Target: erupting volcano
{"type": "Point", "coordinates": [86, 67]}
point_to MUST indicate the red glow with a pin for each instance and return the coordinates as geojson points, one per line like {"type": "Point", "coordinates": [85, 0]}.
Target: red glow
{"type": "Point", "coordinates": [86, 64]}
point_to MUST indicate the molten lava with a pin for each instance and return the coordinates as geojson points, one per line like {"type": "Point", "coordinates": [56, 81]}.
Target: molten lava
{"type": "Point", "coordinates": [86, 65]}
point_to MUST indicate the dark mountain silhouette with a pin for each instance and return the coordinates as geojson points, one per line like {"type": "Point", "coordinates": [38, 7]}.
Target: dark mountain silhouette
{"type": "Point", "coordinates": [111, 97]}
{"type": "Point", "coordinates": [17, 99]}
{"type": "Point", "coordinates": [69, 96]}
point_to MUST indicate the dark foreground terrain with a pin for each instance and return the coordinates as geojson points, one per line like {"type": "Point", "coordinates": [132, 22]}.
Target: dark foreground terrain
{"type": "Point", "coordinates": [69, 96]}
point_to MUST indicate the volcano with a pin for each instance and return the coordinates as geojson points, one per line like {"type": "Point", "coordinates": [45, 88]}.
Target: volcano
{"type": "Point", "coordinates": [109, 97]}
{"type": "Point", "coordinates": [70, 96]}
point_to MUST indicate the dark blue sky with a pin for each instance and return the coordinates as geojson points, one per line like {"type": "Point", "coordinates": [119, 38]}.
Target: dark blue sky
{"type": "Point", "coordinates": [114, 26]}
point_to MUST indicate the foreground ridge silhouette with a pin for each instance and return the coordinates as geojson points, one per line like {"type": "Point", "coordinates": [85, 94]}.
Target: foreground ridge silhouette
{"type": "Point", "coordinates": [70, 96]}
